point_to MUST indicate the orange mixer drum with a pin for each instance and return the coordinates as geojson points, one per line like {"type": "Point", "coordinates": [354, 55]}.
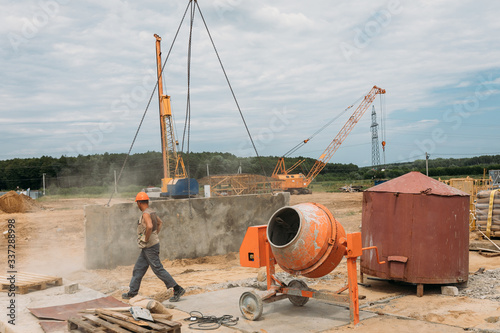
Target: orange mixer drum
{"type": "Point", "coordinates": [305, 239]}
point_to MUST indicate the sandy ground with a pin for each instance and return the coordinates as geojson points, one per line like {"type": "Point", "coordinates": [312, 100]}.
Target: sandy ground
{"type": "Point", "coordinates": [51, 241]}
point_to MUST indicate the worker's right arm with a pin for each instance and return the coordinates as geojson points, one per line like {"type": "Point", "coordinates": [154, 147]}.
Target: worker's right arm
{"type": "Point", "coordinates": [159, 222]}
{"type": "Point", "coordinates": [149, 226]}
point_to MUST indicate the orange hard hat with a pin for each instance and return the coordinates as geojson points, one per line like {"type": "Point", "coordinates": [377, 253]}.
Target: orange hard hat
{"type": "Point", "coordinates": [141, 196]}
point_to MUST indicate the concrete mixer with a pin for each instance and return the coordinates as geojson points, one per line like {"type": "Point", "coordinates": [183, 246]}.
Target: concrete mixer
{"type": "Point", "coordinates": [305, 240]}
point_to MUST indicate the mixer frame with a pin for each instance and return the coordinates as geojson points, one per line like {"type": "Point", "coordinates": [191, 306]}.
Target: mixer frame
{"type": "Point", "coordinates": [256, 252]}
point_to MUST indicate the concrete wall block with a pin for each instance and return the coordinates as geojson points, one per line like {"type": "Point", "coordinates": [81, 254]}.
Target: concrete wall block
{"type": "Point", "coordinates": [192, 228]}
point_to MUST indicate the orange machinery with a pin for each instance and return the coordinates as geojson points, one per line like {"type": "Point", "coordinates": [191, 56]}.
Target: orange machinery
{"type": "Point", "coordinates": [298, 183]}
{"type": "Point", "coordinates": [174, 183]}
{"type": "Point", "coordinates": [305, 240]}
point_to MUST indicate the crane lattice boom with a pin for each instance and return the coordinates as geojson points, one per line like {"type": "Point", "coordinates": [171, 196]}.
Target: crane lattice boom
{"type": "Point", "coordinates": [344, 132]}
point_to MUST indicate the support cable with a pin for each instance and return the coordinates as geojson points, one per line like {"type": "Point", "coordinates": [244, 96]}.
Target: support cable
{"type": "Point", "coordinates": [187, 123]}
{"type": "Point", "coordinates": [382, 124]}
{"type": "Point", "coordinates": [147, 107]}
{"type": "Point", "coordinates": [302, 143]}
{"type": "Point", "coordinates": [234, 96]}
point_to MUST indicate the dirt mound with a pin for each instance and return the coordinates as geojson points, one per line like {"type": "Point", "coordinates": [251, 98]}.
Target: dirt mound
{"type": "Point", "coordinates": [12, 202]}
{"type": "Point", "coordinates": [215, 260]}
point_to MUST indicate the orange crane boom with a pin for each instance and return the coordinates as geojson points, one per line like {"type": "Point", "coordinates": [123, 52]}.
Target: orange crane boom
{"type": "Point", "coordinates": [343, 133]}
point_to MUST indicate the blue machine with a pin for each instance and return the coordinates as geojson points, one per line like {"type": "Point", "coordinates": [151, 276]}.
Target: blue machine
{"type": "Point", "coordinates": [182, 188]}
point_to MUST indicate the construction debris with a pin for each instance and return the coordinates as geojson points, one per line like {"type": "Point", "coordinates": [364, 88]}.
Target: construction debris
{"type": "Point", "coordinates": [107, 320]}
{"type": "Point", "coordinates": [483, 284]}
{"type": "Point", "coordinates": [71, 288]}
{"type": "Point", "coordinates": [351, 188]}
{"type": "Point", "coordinates": [151, 305]}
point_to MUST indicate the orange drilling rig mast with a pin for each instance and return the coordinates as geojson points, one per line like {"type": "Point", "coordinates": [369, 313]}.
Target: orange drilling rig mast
{"type": "Point", "coordinates": [298, 183]}
{"type": "Point", "coordinates": [174, 182]}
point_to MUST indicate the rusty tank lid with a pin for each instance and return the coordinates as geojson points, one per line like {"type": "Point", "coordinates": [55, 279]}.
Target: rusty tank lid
{"type": "Point", "coordinates": [415, 182]}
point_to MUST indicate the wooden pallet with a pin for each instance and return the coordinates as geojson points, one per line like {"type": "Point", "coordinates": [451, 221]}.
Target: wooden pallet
{"type": "Point", "coordinates": [27, 281]}
{"type": "Point", "coordinates": [120, 322]}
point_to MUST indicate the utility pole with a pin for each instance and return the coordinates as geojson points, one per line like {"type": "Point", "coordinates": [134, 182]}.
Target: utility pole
{"type": "Point", "coordinates": [427, 164]}
{"type": "Point", "coordinates": [208, 172]}
{"type": "Point", "coordinates": [116, 188]}
{"type": "Point", "coordinates": [43, 184]}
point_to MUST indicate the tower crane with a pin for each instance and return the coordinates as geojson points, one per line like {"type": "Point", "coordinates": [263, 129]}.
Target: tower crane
{"type": "Point", "coordinates": [298, 183]}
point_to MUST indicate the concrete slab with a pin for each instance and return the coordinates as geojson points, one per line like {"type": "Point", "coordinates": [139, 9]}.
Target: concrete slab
{"type": "Point", "coordinates": [25, 321]}
{"type": "Point", "coordinates": [277, 317]}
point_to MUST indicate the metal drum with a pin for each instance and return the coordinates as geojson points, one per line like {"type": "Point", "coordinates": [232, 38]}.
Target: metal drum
{"type": "Point", "coordinates": [306, 240]}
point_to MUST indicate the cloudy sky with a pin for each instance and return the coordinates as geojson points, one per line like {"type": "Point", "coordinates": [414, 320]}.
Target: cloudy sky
{"type": "Point", "coordinates": [77, 76]}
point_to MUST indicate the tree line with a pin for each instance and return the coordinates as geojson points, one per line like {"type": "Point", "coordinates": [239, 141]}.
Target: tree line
{"type": "Point", "coordinates": [145, 169]}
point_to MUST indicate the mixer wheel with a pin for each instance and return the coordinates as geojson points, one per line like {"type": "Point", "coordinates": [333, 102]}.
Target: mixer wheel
{"type": "Point", "coordinates": [251, 305]}
{"type": "Point", "coordinates": [298, 300]}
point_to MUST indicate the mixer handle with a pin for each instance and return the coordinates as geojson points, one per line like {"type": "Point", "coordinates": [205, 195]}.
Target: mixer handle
{"type": "Point", "coordinates": [376, 251]}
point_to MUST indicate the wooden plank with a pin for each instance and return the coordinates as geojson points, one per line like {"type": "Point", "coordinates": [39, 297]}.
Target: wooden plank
{"type": "Point", "coordinates": [165, 318]}
{"type": "Point", "coordinates": [125, 324]}
{"type": "Point", "coordinates": [171, 324]}
{"type": "Point", "coordinates": [82, 326]}
{"type": "Point", "coordinates": [38, 275]}
{"type": "Point", "coordinates": [22, 290]}
{"type": "Point", "coordinates": [119, 309]}
{"type": "Point", "coordinates": [110, 326]}
{"type": "Point", "coordinates": [57, 282]}
{"type": "Point", "coordinates": [23, 277]}
{"type": "Point", "coordinates": [146, 323]}
{"type": "Point", "coordinates": [162, 324]}
{"type": "Point", "coordinates": [123, 316]}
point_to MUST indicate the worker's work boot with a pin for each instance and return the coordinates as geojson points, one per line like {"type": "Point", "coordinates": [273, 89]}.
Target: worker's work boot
{"type": "Point", "coordinates": [177, 294]}
{"type": "Point", "coordinates": [128, 295]}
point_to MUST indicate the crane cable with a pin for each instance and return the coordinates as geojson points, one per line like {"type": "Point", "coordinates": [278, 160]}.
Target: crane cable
{"type": "Point", "coordinates": [302, 143]}
{"type": "Point", "coordinates": [382, 124]}
{"type": "Point", "coordinates": [234, 96]}
{"type": "Point", "coordinates": [147, 106]}
{"type": "Point", "coordinates": [187, 122]}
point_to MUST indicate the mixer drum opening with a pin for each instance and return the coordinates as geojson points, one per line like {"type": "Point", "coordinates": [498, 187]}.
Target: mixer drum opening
{"type": "Point", "coordinates": [305, 239]}
{"type": "Point", "coordinates": [283, 227]}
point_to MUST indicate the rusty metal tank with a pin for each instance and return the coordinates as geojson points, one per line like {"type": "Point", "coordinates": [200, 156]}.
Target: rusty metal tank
{"type": "Point", "coordinates": [421, 228]}
{"type": "Point", "coordinates": [306, 239]}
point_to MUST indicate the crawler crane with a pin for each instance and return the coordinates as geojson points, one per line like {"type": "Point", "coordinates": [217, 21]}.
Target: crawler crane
{"type": "Point", "coordinates": [298, 183]}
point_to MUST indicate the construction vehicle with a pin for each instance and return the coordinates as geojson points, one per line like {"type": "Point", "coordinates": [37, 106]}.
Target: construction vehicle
{"type": "Point", "coordinates": [298, 183]}
{"type": "Point", "coordinates": [174, 183]}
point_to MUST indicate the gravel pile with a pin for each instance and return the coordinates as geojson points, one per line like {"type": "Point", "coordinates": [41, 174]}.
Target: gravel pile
{"type": "Point", "coordinates": [484, 285]}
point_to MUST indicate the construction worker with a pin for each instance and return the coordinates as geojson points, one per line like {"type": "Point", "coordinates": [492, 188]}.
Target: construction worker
{"type": "Point", "coordinates": [147, 237]}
